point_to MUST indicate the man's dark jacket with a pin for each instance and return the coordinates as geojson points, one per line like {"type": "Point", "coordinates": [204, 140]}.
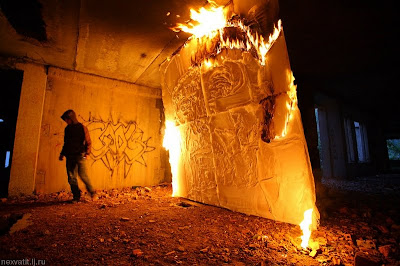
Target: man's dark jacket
{"type": "Point", "coordinates": [76, 140]}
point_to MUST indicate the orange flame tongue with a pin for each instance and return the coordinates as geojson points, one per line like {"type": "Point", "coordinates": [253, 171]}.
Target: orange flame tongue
{"type": "Point", "coordinates": [172, 143]}
{"type": "Point", "coordinates": [305, 227]}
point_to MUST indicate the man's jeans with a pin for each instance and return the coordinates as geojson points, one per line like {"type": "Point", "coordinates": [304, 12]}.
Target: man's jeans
{"type": "Point", "coordinates": [77, 165]}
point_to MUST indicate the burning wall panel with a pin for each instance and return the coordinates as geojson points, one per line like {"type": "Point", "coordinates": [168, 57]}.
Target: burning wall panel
{"type": "Point", "coordinates": [242, 142]}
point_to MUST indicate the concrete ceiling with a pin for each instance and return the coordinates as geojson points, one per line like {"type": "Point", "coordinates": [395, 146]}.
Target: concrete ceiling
{"type": "Point", "coordinates": [128, 40]}
{"type": "Point", "coordinates": [122, 39]}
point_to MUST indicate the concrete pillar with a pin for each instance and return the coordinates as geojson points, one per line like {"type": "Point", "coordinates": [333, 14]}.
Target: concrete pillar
{"type": "Point", "coordinates": [27, 133]}
{"type": "Point", "coordinates": [307, 108]}
{"type": "Point", "coordinates": [336, 140]}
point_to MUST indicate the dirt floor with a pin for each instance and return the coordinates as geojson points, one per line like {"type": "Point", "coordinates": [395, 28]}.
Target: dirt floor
{"type": "Point", "coordinates": [360, 224]}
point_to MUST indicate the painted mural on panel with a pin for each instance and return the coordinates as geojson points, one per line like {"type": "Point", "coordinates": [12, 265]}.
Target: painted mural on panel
{"type": "Point", "coordinates": [115, 143]}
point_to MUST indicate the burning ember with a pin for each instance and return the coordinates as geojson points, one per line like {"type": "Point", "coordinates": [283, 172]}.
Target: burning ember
{"type": "Point", "coordinates": [172, 143]}
{"type": "Point", "coordinates": [305, 226]}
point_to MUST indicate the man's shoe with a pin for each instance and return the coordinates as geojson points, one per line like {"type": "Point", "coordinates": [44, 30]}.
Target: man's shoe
{"type": "Point", "coordinates": [94, 196]}
{"type": "Point", "coordinates": [74, 201]}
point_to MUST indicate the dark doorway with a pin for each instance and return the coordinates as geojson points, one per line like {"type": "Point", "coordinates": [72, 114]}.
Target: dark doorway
{"type": "Point", "coordinates": [10, 91]}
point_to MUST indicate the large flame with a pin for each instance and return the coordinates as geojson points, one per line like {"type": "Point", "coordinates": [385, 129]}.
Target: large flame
{"type": "Point", "coordinates": [172, 143]}
{"type": "Point", "coordinates": [207, 22]}
{"type": "Point", "coordinates": [305, 226]}
{"type": "Point", "coordinates": [212, 21]}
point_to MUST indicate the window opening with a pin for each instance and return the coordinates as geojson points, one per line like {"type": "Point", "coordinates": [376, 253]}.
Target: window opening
{"type": "Point", "coordinates": [393, 146]}
{"type": "Point", "coordinates": [7, 162]}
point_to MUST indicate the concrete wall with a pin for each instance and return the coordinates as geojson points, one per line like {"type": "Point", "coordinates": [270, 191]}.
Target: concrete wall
{"type": "Point", "coordinates": [26, 143]}
{"type": "Point", "coordinates": [124, 124]}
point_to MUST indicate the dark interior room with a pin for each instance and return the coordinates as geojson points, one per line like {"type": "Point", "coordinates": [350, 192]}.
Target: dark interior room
{"type": "Point", "coordinates": [199, 132]}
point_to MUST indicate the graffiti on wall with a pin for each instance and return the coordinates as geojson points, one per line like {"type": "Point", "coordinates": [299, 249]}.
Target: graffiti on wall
{"type": "Point", "coordinates": [118, 143]}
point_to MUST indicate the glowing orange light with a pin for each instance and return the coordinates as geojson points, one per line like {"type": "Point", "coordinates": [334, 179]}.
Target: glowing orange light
{"type": "Point", "coordinates": [172, 143]}
{"type": "Point", "coordinates": [208, 63]}
{"type": "Point", "coordinates": [305, 226]}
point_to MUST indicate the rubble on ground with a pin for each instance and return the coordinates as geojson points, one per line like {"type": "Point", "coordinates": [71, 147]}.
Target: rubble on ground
{"type": "Point", "coordinates": [146, 226]}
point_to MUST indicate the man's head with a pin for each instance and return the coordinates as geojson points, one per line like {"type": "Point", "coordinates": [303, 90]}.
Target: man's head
{"type": "Point", "coordinates": [69, 117]}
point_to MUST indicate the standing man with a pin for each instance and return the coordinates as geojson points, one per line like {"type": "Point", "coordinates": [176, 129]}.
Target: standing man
{"type": "Point", "coordinates": [77, 146]}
